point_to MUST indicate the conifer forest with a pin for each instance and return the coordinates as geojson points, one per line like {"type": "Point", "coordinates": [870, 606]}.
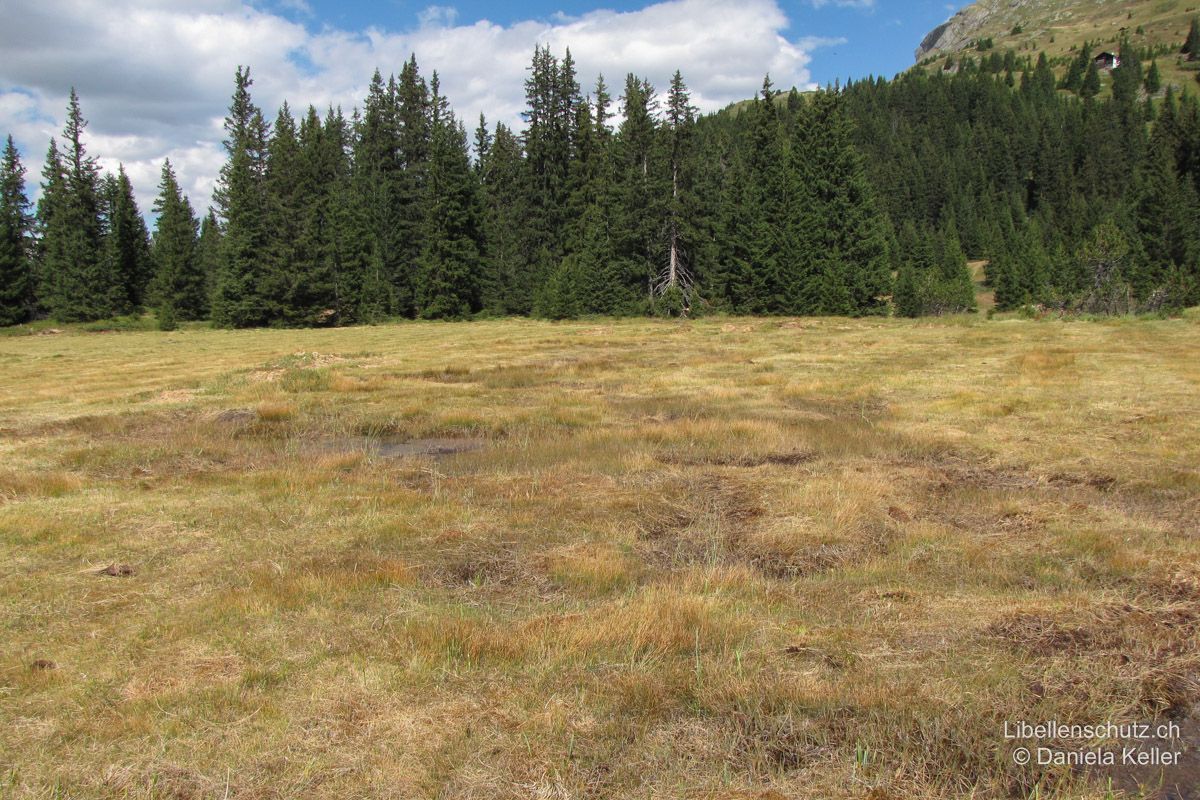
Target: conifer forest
{"type": "Point", "coordinates": [861, 199]}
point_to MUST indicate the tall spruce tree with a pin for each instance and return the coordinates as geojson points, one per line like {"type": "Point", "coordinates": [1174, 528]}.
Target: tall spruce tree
{"type": "Point", "coordinates": [80, 282]}
{"type": "Point", "coordinates": [449, 266]}
{"type": "Point", "coordinates": [179, 289]}
{"type": "Point", "coordinates": [210, 255]}
{"type": "Point", "coordinates": [1191, 46]}
{"type": "Point", "coordinates": [318, 287]}
{"type": "Point", "coordinates": [284, 212]}
{"type": "Point", "coordinates": [126, 241]}
{"type": "Point", "coordinates": [503, 194]}
{"type": "Point", "coordinates": [1090, 87]}
{"type": "Point", "coordinates": [414, 109]}
{"type": "Point", "coordinates": [49, 256]}
{"type": "Point", "coordinates": [242, 296]}
{"type": "Point", "coordinates": [551, 94]}
{"type": "Point", "coordinates": [763, 258]}
{"type": "Point", "coordinates": [642, 191]}
{"type": "Point", "coordinates": [852, 274]}
{"type": "Point", "coordinates": [376, 180]}
{"type": "Point", "coordinates": [16, 228]}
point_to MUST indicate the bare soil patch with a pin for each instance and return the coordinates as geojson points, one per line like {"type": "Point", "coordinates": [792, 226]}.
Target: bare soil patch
{"type": "Point", "coordinates": [396, 448]}
{"type": "Point", "coordinates": [787, 459]}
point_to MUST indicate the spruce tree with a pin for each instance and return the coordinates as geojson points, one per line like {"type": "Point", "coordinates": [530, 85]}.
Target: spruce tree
{"type": "Point", "coordinates": [1127, 76]}
{"type": "Point", "coordinates": [640, 191]}
{"type": "Point", "coordinates": [241, 297]}
{"type": "Point", "coordinates": [1153, 82]}
{"type": "Point", "coordinates": [1073, 80]}
{"type": "Point", "coordinates": [284, 213]}
{"type": "Point", "coordinates": [376, 179]}
{"type": "Point", "coordinates": [81, 282]}
{"type": "Point", "coordinates": [955, 292]}
{"type": "Point", "coordinates": [449, 265]}
{"type": "Point", "coordinates": [335, 223]}
{"type": "Point", "coordinates": [577, 285]}
{"type": "Point", "coordinates": [851, 263]}
{"type": "Point", "coordinates": [764, 225]}
{"type": "Point", "coordinates": [126, 241]}
{"type": "Point", "coordinates": [551, 94]}
{"type": "Point", "coordinates": [1090, 87]}
{"type": "Point", "coordinates": [50, 255]}
{"type": "Point", "coordinates": [318, 288]}
{"type": "Point", "coordinates": [503, 190]}
{"type": "Point", "coordinates": [1191, 45]}
{"type": "Point", "coordinates": [913, 292]}
{"type": "Point", "coordinates": [209, 256]}
{"type": "Point", "coordinates": [1165, 219]}
{"type": "Point", "coordinates": [414, 110]}
{"type": "Point", "coordinates": [179, 288]}
{"type": "Point", "coordinates": [16, 227]}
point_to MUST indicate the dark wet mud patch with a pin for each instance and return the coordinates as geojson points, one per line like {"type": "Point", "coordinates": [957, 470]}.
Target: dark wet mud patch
{"type": "Point", "coordinates": [1179, 780]}
{"type": "Point", "coordinates": [718, 520]}
{"type": "Point", "coordinates": [386, 447]}
{"type": "Point", "coordinates": [235, 417]}
{"type": "Point", "coordinates": [786, 459]}
{"type": "Point", "coordinates": [1147, 650]}
{"type": "Point", "coordinates": [948, 471]}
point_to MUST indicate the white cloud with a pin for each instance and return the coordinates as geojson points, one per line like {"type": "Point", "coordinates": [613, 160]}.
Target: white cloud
{"type": "Point", "coordinates": [154, 78]}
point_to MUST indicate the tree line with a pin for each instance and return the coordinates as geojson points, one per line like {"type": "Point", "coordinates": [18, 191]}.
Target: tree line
{"type": "Point", "coordinates": [851, 200]}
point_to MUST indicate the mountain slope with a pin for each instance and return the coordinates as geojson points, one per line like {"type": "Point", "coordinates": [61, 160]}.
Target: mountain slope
{"type": "Point", "coordinates": [1058, 26]}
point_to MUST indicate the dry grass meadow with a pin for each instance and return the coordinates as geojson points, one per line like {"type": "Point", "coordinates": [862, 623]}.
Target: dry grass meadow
{"type": "Point", "coordinates": [731, 558]}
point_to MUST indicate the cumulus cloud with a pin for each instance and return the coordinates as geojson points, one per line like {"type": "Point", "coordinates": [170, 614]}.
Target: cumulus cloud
{"type": "Point", "coordinates": [154, 76]}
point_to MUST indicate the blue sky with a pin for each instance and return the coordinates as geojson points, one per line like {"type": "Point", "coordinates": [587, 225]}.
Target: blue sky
{"type": "Point", "coordinates": [880, 36]}
{"type": "Point", "coordinates": [154, 76]}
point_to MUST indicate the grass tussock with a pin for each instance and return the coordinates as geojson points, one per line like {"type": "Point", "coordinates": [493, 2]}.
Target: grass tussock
{"type": "Point", "coordinates": [727, 558]}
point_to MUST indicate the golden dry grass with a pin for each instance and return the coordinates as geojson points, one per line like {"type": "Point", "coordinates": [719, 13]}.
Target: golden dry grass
{"type": "Point", "coordinates": [722, 559]}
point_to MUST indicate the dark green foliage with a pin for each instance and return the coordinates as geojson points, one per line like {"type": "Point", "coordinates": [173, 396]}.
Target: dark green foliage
{"type": "Point", "coordinates": [1153, 82]}
{"type": "Point", "coordinates": [16, 228]}
{"type": "Point", "coordinates": [551, 94]}
{"type": "Point", "coordinates": [933, 277]}
{"type": "Point", "coordinates": [320, 285]}
{"type": "Point", "coordinates": [504, 198]}
{"type": "Point", "coordinates": [179, 288]}
{"type": "Point", "coordinates": [1021, 273]}
{"type": "Point", "coordinates": [209, 254]}
{"type": "Point", "coordinates": [1091, 81]}
{"type": "Point", "coordinates": [449, 266]}
{"type": "Point", "coordinates": [850, 201]}
{"type": "Point", "coordinates": [1192, 45]}
{"type": "Point", "coordinates": [641, 187]}
{"type": "Point", "coordinates": [851, 259]}
{"type": "Point", "coordinates": [1127, 78]}
{"type": "Point", "coordinates": [79, 283]}
{"type": "Point", "coordinates": [244, 285]}
{"type": "Point", "coordinates": [126, 241]}
{"type": "Point", "coordinates": [1073, 80]}
{"type": "Point", "coordinates": [414, 114]}
{"type": "Point", "coordinates": [1103, 263]}
{"type": "Point", "coordinates": [281, 188]}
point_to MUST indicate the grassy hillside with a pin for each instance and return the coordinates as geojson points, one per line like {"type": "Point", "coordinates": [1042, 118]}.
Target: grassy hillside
{"type": "Point", "coordinates": [1060, 27]}
{"type": "Point", "coordinates": [734, 558]}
